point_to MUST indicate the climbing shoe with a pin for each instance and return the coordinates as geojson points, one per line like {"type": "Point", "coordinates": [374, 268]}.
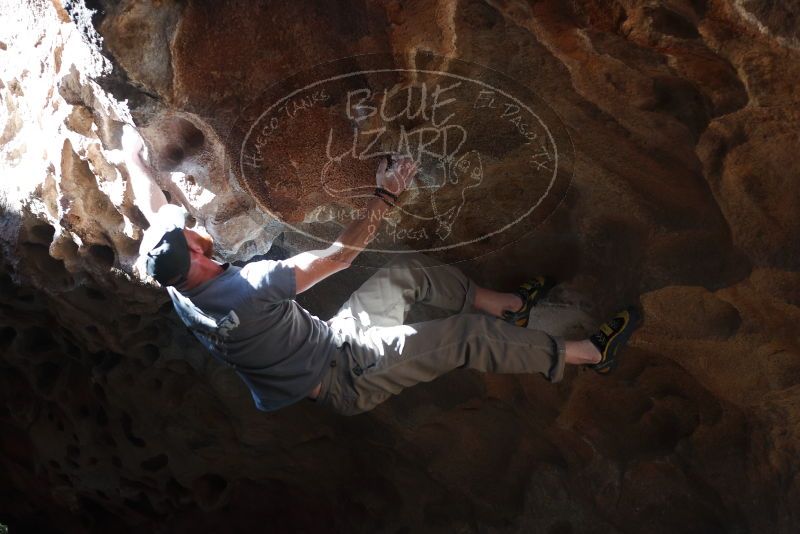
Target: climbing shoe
{"type": "Point", "coordinates": [530, 292]}
{"type": "Point", "coordinates": [611, 336]}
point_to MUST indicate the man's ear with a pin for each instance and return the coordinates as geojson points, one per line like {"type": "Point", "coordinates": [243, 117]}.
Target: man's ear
{"type": "Point", "coordinates": [191, 242]}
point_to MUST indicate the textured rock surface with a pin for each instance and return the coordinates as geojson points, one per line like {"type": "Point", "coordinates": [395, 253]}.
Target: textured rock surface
{"type": "Point", "coordinates": [685, 124]}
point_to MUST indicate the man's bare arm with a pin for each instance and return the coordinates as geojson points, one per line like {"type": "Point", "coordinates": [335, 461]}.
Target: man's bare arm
{"type": "Point", "coordinates": [147, 196]}
{"type": "Point", "coordinates": [316, 265]}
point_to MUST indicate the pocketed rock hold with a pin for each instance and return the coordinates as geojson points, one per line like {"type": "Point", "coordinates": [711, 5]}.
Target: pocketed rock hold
{"type": "Point", "coordinates": [173, 140]}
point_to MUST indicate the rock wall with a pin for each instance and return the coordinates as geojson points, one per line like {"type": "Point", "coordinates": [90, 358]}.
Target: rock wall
{"type": "Point", "coordinates": [683, 115]}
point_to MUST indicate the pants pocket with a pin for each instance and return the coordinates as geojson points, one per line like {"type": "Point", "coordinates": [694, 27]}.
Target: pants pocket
{"type": "Point", "coordinates": [341, 395]}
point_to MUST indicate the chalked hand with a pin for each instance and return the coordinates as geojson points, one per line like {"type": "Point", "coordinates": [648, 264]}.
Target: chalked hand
{"type": "Point", "coordinates": [397, 178]}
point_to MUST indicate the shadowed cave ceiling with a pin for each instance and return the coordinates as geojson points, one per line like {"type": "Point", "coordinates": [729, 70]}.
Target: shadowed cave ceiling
{"type": "Point", "coordinates": [682, 125]}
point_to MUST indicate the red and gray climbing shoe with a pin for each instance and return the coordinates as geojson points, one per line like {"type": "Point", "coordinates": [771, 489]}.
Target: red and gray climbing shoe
{"type": "Point", "coordinates": [612, 336]}
{"type": "Point", "coordinates": [530, 292]}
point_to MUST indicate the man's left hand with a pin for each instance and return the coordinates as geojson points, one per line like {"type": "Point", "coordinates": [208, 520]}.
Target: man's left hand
{"type": "Point", "coordinates": [399, 177]}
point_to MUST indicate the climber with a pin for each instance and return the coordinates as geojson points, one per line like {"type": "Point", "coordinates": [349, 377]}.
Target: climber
{"type": "Point", "coordinates": [247, 317]}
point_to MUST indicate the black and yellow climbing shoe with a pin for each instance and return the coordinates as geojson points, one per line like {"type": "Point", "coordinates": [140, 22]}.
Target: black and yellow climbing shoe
{"type": "Point", "coordinates": [611, 336]}
{"type": "Point", "coordinates": [530, 292]}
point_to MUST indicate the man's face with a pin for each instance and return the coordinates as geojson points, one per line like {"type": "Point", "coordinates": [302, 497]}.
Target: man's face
{"type": "Point", "coordinates": [202, 240]}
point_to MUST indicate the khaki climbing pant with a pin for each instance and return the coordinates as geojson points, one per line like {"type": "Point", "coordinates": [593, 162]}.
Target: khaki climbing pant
{"type": "Point", "coordinates": [381, 356]}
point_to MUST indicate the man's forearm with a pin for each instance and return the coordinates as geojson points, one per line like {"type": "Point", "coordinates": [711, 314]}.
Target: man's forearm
{"type": "Point", "coordinates": [316, 265]}
{"type": "Point", "coordinates": [311, 267]}
{"type": "Point", "coordinates": [147, 195]}
{"type": "Point", "coordinates": [360, 233]}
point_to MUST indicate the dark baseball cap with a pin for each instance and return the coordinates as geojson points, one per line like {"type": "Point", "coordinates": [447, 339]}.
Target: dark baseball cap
{"type": "Point", "coordinates": [164, 246]}
{"type": "Point", "coordinates": [169, 261]}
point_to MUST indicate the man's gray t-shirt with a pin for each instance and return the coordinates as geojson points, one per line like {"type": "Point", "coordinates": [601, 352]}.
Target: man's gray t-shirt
{"type": "Point", "coordinates": [279, 349]}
